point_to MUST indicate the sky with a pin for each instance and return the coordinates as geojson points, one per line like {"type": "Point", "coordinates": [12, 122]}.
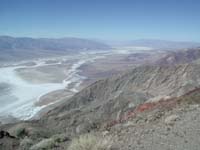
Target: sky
{"type": "Point", "coordinates": [102, 19]}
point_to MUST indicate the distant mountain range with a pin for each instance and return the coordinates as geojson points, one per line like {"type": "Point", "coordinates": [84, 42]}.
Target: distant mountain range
{"type": "Point", "coordinates": [180, 57]}
{"type": "Point", "coordinates": [23, 48]}
{"type": "Point", "coordinates": [14, 49]}
{"type": "Point", "coordinates": [156, 44]}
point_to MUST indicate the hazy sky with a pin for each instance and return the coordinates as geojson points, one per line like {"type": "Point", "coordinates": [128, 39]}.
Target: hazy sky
{"type": "Point", "coordinates": [103, 19]}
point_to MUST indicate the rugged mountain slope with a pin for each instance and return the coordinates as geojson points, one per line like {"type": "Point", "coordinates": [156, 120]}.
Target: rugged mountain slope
{"type": "Point", "coordinates": [180, 57]}
{"type": "Point", "coordinates": [169, 126]}
{"type": "Point", "coordinates": [107, 103]}
{"type": "Point", "coordinates": [109, 99]}
{"type": "Point", "coordinates": [24, 48]}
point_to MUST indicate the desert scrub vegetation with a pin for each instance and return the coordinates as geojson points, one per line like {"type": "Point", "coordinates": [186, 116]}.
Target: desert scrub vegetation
{"type": "Point", "coordinates": [44, 145]}
{"type": "Point", "coordinates": [25, 144]}
{"type": "Point", "coordinates": [90, 142]}
{"type": "Point", "coordinates": [50, 143]}
{"type": "Point", "coordinates": [18, 131]}
{"type": "Point", "coordinates": [59, 138]}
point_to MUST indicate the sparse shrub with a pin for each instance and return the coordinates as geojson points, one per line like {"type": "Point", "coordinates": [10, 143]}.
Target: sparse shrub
{"type": "Point", "coordinates": [26, 130]}
{"type": "Point", "coordinates": [45, 144]}
{"type": "Point", "coordinates": [60, 138]}
{"type": "Point", "coordinates": [90, 142]}
{"type": "Point", "coordinates": [25, 144]}
{"type": "Point", "coordinates": [18, 131]}
{"type": "Point", "coordinates": [50, 143]}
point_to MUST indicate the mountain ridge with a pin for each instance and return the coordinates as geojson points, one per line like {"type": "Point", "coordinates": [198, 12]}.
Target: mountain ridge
{"type": "Point", "coordinates": [23, 48]}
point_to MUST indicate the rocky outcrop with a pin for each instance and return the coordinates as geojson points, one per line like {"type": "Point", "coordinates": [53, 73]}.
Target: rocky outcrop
{"type": "Point", "coordinates": [7, 141]}
{"type": "Point", "coordinates": [4, 134]}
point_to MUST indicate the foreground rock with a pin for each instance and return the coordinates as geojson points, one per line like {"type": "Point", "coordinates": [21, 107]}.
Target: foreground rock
{"type": "Point", "coordinates": [170, 120]}
{"type": "Point", "coordinates": [7, 141]}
